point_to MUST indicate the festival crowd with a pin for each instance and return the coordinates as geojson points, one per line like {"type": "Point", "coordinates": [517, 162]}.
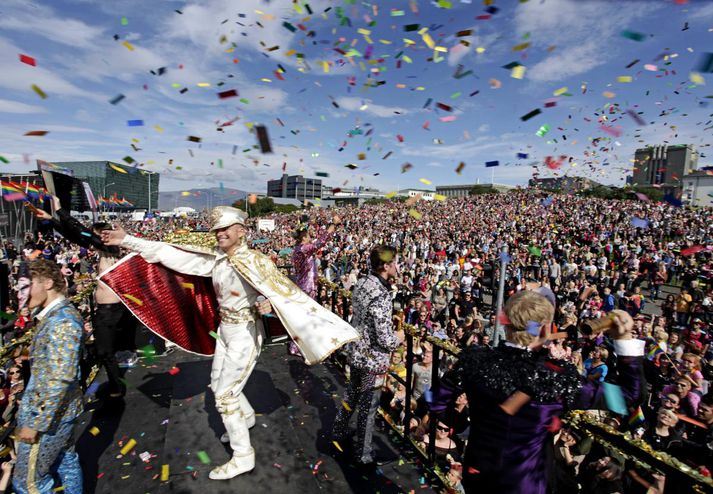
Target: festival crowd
{"type": "Point", "coordinates": [652, 260]}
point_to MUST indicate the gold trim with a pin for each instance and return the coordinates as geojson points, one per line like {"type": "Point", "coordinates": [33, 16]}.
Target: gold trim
{"type": "Point", "coordinates": [241, 378]}
{"type": "Point", "coordinates": [32, 468]}
{"type": "Point", "coordinates": [233, 316]}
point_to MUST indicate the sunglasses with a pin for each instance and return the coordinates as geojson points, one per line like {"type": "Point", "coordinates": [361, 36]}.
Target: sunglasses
{"type": "Point", "coordinates": [443, 429]}
{"type": "Point", "coordinates": [681, 385]}
{"type": "Point", "coordinates": [673, 402]}
{"type": "Point", "coordinates": [13, 372]}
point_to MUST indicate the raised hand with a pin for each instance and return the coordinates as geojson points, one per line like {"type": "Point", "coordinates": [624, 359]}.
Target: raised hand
{"type": "Point", "coordinates": [113, 237]}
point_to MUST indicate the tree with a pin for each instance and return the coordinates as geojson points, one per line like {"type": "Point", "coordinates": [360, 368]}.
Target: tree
{"type": "Point", "coordinates": [264, 206]}
{"type": "Point", "coordinates": [626, 193]}
{"type": "Point", "coordinates": [479, 189]}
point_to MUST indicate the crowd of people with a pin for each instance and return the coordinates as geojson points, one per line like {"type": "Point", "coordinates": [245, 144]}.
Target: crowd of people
{"type": "Point", "coordinates": [651, 260]}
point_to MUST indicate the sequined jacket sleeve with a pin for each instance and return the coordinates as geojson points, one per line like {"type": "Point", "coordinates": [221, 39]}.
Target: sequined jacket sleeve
{"type": "Point", "coordinates": [185, 262]}
{"type": "Point", "coordinates": [53, 393]}
{"type": "Point", "coordinates": [372, 320]}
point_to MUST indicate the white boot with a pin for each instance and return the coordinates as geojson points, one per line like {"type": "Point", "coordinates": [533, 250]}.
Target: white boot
{"type": "Point", "coordinates": [250, 419]}
{"type": "Point", "coordinates": [237, 465]}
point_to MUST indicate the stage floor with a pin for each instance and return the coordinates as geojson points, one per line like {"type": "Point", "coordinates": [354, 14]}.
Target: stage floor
{"type": "Point", "coordinates": [172, 418]}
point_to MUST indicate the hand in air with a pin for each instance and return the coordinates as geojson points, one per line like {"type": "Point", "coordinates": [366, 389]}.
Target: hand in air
{"type": "Point", "coordinates": [113, 237]}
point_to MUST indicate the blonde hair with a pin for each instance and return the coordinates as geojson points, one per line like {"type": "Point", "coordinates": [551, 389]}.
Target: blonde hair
{"type": "Point", "coordinates": [524, 308]}
{"type": "Point", "coordinates": [696, 358]}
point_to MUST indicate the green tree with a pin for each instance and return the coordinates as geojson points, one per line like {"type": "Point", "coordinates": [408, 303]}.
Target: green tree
{"type": "Point", "coordinates": [261, 207]}
{"type": "Point", "coordinates": [479, 189]}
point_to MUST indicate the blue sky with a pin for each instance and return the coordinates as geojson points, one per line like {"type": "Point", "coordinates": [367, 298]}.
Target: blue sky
{"type": "Point", "coordinates": [364, 102]}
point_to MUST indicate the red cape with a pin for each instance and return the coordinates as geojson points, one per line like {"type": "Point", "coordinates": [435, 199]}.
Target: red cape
{"type": "Point", "coordinates": [180, 308]}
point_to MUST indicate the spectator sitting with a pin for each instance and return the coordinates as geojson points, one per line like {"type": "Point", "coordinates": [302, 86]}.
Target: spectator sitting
{"type": "Point", "coordinates": [445, 446]}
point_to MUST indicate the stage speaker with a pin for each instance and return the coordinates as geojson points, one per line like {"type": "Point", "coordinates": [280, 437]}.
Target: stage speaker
{"type": "Point", "coordinates": [275, 332]}
{"type": "Point", "coordinates": [4, 285]}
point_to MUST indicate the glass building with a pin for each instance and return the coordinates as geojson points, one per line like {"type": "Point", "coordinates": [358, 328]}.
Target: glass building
{"type": "Point", "coordinates": [108, 179]}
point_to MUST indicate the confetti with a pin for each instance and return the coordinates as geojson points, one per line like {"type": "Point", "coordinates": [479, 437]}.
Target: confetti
{"type": "Point", "coordinates": [528, 116]}
{"type": "Point", "coordinates": [263, 139]}
{"type": "Point", "coordinates": [518, 72]}
{"type": "Point", "coordinates": [116, 99]}
{"type": "Point", "coordinates": [94, 431]}
{"type": "Point", "coordinates": [28, 60]}
{"type": "Point", "coordinates": [231, 93]}
{"type": "Point", "coordinates": [165, 472]}
{"type": "Point", "coordinates": [135, 123]}
{"type": "Point", "coordinates": [37, 133]}
{"type": "Point", "coordinates": [203, 457]}
{"type": "Point", "coordinates": [128, 447]}
{"type": "Point", "coordinates": [118, 168]}
{"type": "Point", "coordinates": [39, 91]}
{"type": "Point", "coordinates": [633, 35]}
{"type": "Point", "coordinates": [133, 299]}
{"type": "Point", "coordinates": [415, 214]}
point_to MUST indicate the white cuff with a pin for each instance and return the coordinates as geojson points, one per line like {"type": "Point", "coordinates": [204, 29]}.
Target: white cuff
{"type": "Point", "coordinates": [629, 348]}
{"type": "Point", "coordinates": [130, 242]}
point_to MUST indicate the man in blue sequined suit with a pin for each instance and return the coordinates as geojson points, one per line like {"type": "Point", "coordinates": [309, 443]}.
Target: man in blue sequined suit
{"type": "Point", "coordinates": [53, 397]}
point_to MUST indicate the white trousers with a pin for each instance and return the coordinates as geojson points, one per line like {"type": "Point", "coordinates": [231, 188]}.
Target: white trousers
{"type": "Point", "coordinates": [236, 352]}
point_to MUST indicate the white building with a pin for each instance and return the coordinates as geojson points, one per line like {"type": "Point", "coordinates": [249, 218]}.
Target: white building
{"type": "Point", "coordinates": [426, 195]}
{"type": "Point", "coordinates": [698, 188]}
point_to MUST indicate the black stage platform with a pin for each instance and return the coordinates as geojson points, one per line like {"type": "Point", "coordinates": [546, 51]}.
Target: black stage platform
{"type": "Point", "coordinates": [172, 418]}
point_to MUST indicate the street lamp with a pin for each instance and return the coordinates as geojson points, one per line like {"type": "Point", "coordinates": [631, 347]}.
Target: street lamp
{"type": "Point", "coordinates": [107, 185]}
{"type": "Point", "coordinates": [104, 195]}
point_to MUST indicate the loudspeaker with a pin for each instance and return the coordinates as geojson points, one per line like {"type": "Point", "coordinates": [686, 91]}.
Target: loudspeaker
{"type": "Point", "coordinates": [4, 286]}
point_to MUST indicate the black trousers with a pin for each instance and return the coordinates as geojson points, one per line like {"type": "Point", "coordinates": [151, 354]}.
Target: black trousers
{"type": "Point", "coordinates": [113, 324]}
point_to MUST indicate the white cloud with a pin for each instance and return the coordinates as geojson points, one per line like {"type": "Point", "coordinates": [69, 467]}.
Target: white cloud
{"type": "Point", "coordinates": [458, 51]}
{"type": "Point", "coordinates": [7, 106]}
{"type": "Point", "coordinates": [355, 104]}
{"type": "Point", "coordinates": [41, 21]}
{"type": "Point", "coordinates": [583, 33]}
{"type": "Point", "coordinates": [205, 22]}
{"type": "Point", "coordinates": [20, 76]}
{"type": "Point", "coordinates": [462, 151]}
{"type": "Point", "coordinates": [569, 62]}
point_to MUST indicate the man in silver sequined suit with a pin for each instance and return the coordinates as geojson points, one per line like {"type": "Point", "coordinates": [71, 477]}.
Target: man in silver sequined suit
{"type": "Point", "coordinates": [53, 397]}
{"type": "Point", "coordinates": [369, 356]}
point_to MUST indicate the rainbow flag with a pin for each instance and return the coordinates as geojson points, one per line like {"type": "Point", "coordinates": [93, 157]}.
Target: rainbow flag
{"type": "Point", "coordinates": [655, 351]}
{"type": "Point", "coordinates": [9, 188]}
{"type": "Point", "coordinates": [637, 417]}
{"type": "Point", "coordinates": [31, 190]}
